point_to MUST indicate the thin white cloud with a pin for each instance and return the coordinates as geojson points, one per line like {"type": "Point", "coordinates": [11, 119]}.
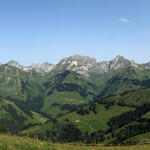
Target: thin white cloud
{"type": "Point", "coordinates": [124, 20]}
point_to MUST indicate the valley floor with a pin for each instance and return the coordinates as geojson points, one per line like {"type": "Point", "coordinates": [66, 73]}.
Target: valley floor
{"type": "Point", "coordinates": [8, 142]}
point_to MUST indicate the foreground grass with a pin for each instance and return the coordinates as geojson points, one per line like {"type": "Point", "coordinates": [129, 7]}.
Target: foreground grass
{"type": "Point", "coordinates": [19, 143]}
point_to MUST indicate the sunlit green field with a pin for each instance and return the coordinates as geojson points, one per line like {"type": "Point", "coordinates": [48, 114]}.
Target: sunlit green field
{"type": "Point", "coordinates": [19, 143]}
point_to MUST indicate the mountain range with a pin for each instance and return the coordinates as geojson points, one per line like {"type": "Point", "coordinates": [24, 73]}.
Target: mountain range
{"type": "Point", "coordinates": [81, 64]}
{"type": "Point", "coordinates": [79, 90]}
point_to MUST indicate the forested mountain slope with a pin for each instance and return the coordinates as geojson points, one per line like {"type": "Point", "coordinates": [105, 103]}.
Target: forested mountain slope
{"type": "Point", "coordinates": [75, 83]}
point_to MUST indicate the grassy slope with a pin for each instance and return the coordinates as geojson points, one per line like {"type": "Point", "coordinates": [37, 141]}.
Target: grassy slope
{"type": "Point", "coordinates": [121, 104]}
{"type": "Point", "coordinates": [134, 98]}
{"type": "Point", "coordinates": [99, 121]}
{"type": "Point", "coordinates": [53, 102]}
{"type": "Point", "coordinates": [19, 143]}
{"type": "Point", "coordinates": [94, 122]}
{"type": "Point", "coordinates": [126, 79]}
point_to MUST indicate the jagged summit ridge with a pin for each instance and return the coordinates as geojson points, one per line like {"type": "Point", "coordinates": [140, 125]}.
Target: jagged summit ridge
{"type": "Point", "coordinates": [82, 65]}
{"type": "Point", "coordinates": [41, 68]}
{"type": "Point", "coordinates": [78, 63]}
{"type": "Point", "coordinates": [85, 64]}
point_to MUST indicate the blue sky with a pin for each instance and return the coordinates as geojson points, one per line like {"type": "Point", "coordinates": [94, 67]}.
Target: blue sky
{"type": "Point", "coordinates": [48, 30]}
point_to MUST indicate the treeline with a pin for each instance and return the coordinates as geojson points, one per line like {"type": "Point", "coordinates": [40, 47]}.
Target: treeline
{"type": "Point", "coordinates": [64, 133]}
{"type": "Point", "coordinates": [125, 118]}
{"type": "Point", "coordinates": [72, 87]}
{"type": "Point", "coordinates": [85, 111]}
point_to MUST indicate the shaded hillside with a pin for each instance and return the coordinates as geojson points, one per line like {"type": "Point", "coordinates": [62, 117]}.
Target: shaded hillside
{"type": "Point", "coordinates": [16, 118]}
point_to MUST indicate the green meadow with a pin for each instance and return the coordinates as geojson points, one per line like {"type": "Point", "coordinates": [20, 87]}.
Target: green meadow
{"type": "Point", "coordinates": [8, 142]}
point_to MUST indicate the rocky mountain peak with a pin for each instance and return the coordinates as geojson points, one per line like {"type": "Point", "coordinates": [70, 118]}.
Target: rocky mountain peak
{"type": "Point", "coordinates": [78, 63]}
{"type": "Point", "coordinates": [47, 67]}
{"type": "Point", "coordinates": [41, 68]}
{"type": "Point", "coordinates": [117, 58]}
{"type": "Point", "coordinates": [79, 59]}
{"type": "Point", "coordinates": [118, 62]}
{"type": "Point", "coordinates": [14, 64]}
